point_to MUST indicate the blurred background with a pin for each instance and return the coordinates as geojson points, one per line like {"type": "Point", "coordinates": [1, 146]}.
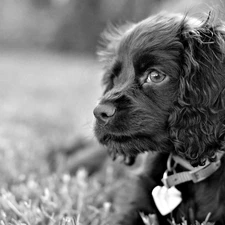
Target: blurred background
{"type": "Point", "coordinates": [73, 25]}
{"type": "Point", "coordinates": [50, 77]}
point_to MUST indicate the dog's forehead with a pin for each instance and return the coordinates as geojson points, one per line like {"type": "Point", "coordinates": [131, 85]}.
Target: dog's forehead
{"type": "Point", "coordinates": [149, 33]}
{"type": "Point", "coordinates": [154, 33]}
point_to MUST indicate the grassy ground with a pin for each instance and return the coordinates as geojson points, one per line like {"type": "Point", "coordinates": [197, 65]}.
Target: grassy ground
{"type": "Point", "coordinates": [46, 102]}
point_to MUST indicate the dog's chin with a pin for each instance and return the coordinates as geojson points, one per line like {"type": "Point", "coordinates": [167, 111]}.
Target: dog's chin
{"type": "Point", "coordinates": [127, 147]}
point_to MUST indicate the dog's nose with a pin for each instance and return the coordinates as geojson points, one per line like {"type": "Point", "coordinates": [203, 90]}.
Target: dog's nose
{"type": "Point", "coordinates": [104, 112]}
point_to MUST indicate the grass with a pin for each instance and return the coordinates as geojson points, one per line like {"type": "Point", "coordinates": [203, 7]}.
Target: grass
{"type": "Point", "coordinates": [55, 200]}
{"type": "Point", "coordinates": [46, 104]}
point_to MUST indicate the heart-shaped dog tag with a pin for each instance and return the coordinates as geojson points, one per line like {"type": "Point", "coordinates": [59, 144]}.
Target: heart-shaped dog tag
{"type": "Point", "coordinates": [166, 199]}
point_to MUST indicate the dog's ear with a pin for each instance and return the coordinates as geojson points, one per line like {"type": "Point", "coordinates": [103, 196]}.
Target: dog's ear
{"type": "Point", "coordinates": [196, 123]}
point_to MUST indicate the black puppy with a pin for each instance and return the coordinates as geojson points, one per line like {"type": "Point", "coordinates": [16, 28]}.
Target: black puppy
{"type": "Point", "coordinates": [165, 80]}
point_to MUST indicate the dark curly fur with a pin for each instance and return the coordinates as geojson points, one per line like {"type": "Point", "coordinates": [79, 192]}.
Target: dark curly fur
{"type": "Point", "coordinates": [183, 114]}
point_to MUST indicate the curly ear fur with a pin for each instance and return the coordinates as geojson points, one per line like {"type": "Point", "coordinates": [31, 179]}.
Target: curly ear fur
{"type": "Point", "coordinates": [197, 122]}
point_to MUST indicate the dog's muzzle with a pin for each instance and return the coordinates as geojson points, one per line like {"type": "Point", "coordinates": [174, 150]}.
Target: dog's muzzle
{"type": "Point", "coordinates": [104, 113]}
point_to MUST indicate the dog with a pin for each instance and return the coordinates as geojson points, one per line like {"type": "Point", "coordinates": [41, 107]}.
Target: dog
{"type": "Point", "coordinates": [164, 93]}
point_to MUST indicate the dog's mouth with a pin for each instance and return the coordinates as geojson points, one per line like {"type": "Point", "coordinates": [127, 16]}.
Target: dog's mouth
{"type": "Point", "coordinates": [122, 147]}
{"type": "Point", "coordinates": [126, 159]}
{"type": "Point", "coordinates": [115, 138]}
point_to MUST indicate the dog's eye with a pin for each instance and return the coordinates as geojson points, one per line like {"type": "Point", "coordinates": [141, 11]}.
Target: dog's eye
{"type": "Point", "coordinates": [155, 77]}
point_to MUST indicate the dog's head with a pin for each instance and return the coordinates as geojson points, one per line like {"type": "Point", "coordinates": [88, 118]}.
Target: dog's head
{"type": "Point", "coordinates": [164, 88]}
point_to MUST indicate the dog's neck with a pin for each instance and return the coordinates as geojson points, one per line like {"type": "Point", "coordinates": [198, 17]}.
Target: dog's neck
{"type": "Point", "coordinates": [194, 174]}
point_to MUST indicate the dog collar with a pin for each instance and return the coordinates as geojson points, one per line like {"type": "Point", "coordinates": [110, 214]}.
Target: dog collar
{"type": "Point", "coordinates": [193, 174]}
{"type": "Point", "coordinates": [168, 197]}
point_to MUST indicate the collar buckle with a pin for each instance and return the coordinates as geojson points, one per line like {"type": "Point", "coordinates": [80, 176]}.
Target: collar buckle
{"type": "Point", "coordinates": [196, 177]}
{"type": "Point", "coordinates": [202, 173]}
